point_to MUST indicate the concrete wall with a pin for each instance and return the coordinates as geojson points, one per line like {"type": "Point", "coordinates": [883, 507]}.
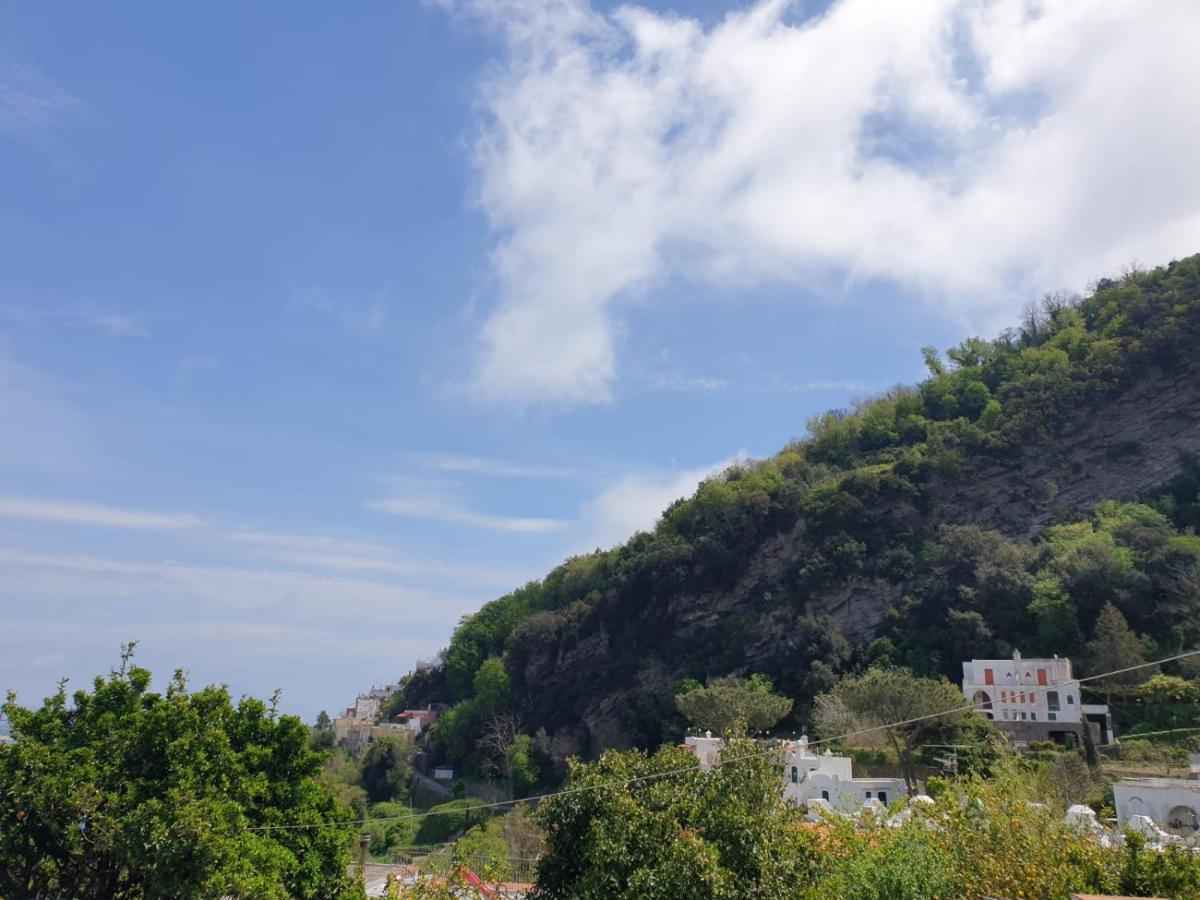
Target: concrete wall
{"type": "Point", "coordinates": [1173, 803]}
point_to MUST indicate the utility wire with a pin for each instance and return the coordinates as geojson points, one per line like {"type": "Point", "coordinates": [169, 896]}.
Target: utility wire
{"type": "Point", "coordinates": [654, 776]}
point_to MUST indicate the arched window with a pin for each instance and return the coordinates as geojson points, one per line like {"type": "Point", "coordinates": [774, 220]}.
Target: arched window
{"type": "Point", "coordinates": [824, 795]}
{"type": "Point", "coordinates": [1182, 820]}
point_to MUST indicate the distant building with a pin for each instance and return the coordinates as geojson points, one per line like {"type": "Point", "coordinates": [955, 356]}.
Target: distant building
{"type": "Point", "coordinates": [359, 724]}
{"type": "Point", "coordinates": [417, 720]}
{"type": "Point", "coordinates": [1173, 804]}
{"type": "Point", "coordinates": [1034, 699]}
{"type": "Point", "coordinates": [366, 706]}
{"type": "Point", "coordinates": [354, 734]}
{"type": "Point", "coordinates": [807, 776]}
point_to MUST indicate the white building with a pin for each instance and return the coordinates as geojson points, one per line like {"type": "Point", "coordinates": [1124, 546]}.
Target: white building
{"type": "Point", "coordinates": [1033, 699]}
{"type": "Point", "coordinates": [366, 706]}
{"type": "Point", "coordinates": [807, 776]}
{"type": "Point", "coordinates": [1173, 804]}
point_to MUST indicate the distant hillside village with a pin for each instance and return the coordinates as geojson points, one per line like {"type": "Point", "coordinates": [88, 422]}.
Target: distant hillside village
{"type": "Point", "coordinates": [360, 724]}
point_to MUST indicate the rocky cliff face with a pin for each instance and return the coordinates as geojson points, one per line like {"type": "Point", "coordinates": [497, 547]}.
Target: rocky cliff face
{"type": "Point", "coordinates": [1121, 450]}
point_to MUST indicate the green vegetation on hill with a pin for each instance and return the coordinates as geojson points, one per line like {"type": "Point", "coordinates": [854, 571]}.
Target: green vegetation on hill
{"type": "Point", "coordinates": [746, 574]}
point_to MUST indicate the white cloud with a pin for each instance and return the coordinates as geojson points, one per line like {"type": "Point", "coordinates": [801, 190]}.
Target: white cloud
{"type": "Point", "coordinates": [30, 101]}
{"type": "Point", "coordinates": [636, 501]}
{"type": "Point", "coordinates": [677, 381]}
{"type": "Point", "coordinates": [362, 315]}
{"type": "Point", "coordinates": [47, 660]}
{"type": "Point", "coordinates": [500, 468]}
{"type": "Point", "coordinates": [973, 152]}
{"type": "Point", "coordinates": [338, 554]}
{"type": "Point", "coordinates": [71, 512]}
{"type": "Point", "coordinates": [436, 509]}
{"type": "Point", "coordinates": [41, 431]}
{"type": "Point", "coordinates": [119, 326]}
{"type": "Point", "coordinates": [291, 594]}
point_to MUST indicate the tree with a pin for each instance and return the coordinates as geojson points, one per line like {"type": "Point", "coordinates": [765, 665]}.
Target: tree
{"type": "Point", "coordinates": [674, 832]}
{"type": "Point", "coordinates": [122, 792]}
{"type": "Point", "coordinates": [881, 699]}
{"type": "Point", "coordinates": [731, 700]}
{"type": "Point", "coordinates": [522, 770]}
{"type": "Point", "coordinates": [1115, 646]}
{"type": "Point", "coordinates": [322, 736]}
{"type": "Point", "coordinates": [498, 736]}
{"type": "Point", "coordinates": [387, 766]}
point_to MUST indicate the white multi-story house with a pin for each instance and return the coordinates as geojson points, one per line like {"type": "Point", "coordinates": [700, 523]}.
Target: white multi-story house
{"type": "Point", "coordinates": [366, 706]}
{"type": "Point", "coordinates": [1033, 699]}
{"type": "Point", "coordinates": [808, 776]}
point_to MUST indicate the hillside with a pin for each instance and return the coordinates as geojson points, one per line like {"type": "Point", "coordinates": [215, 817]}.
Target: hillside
{"type": "Point", "coordinates": [991, 506]}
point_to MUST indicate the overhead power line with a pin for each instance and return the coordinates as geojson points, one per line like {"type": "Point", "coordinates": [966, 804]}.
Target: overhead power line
{"type": "Point", "coordinates": [653, 776]}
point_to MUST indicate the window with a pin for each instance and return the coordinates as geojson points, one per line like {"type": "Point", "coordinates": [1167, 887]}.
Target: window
{"type": "Point", "coordinates": [1042, 677]}
{"type": "Point", "coordinates": [868, 795]}
{"type": "Point", "coordinates": [883, 796]}
{"type": "Point", "coordinates": [1070, 700]}
{"type": "Point", "coordinates": [1053, 717]}
{"type": "Point", "coordinates": [1006, 713]}
{"type": "Point", "coordinates": [795, 775]}
{"type": "Point", "coordinates": [824, 795]}
{"type": "Point", "coordinates": [988, 678]}
{"type": "Point", "coordinates": [1023, 717]}
{"type": "Point", "coordinates": [1033, 717]}
{"type": "Point", "coordinates": [1052, 700]}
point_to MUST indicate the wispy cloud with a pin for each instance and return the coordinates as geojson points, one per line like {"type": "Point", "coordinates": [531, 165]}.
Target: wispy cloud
{"type": "Point", "coordinates": [81, 314]}
{"type": "Point", "coordinates": [120, 326]}
{"type": "Point", "coordinates": [680, 383]}
{"type": "Point", "coordinates": [41, 431]}
{"type": "Point", "coordinates": [635, 502]}
{"type": "Point", "coordinates": [354, 313]}
{"type": "Point", "coordinates": [30, 101]}
{"type": "Point", "coordinates": [479, 465]}
{"type": "Point", "coordinates": [324, 552]}
{"type": "Point", "coordinates": [952, 154]}
{"type": "Point", "coordinates": [440, 510]}
{"type": "Point", "coordinates": [73, 512]}
{"type": "Point", "coordinates": [677, 381]}
{"type": "Point", "coordinates": [297, 595]}
{"type": "Point", "coordinates": [261, 638]}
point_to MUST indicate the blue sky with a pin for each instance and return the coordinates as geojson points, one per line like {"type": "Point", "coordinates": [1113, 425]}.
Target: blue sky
{"type": "Point", "coordinates": [319, 329]}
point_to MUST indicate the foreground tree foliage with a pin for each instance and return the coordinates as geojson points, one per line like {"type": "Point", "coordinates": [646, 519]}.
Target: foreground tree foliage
{"type": "Point", "coordinates": [122, 792]}
{"type": "Point", "coordinates": [728, 834]}
{"type": "Point", "coordinates": [675, 832]}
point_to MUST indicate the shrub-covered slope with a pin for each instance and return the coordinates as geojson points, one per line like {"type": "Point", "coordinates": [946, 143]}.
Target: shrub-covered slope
{"type": "Point", "coordinates": [988, 507]}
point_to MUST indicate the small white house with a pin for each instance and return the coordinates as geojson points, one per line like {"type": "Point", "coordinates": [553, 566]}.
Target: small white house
{"type": "Point", "coordinates": [1173, 804]}
{"type": "Point", "coordinates": [808, 776]}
